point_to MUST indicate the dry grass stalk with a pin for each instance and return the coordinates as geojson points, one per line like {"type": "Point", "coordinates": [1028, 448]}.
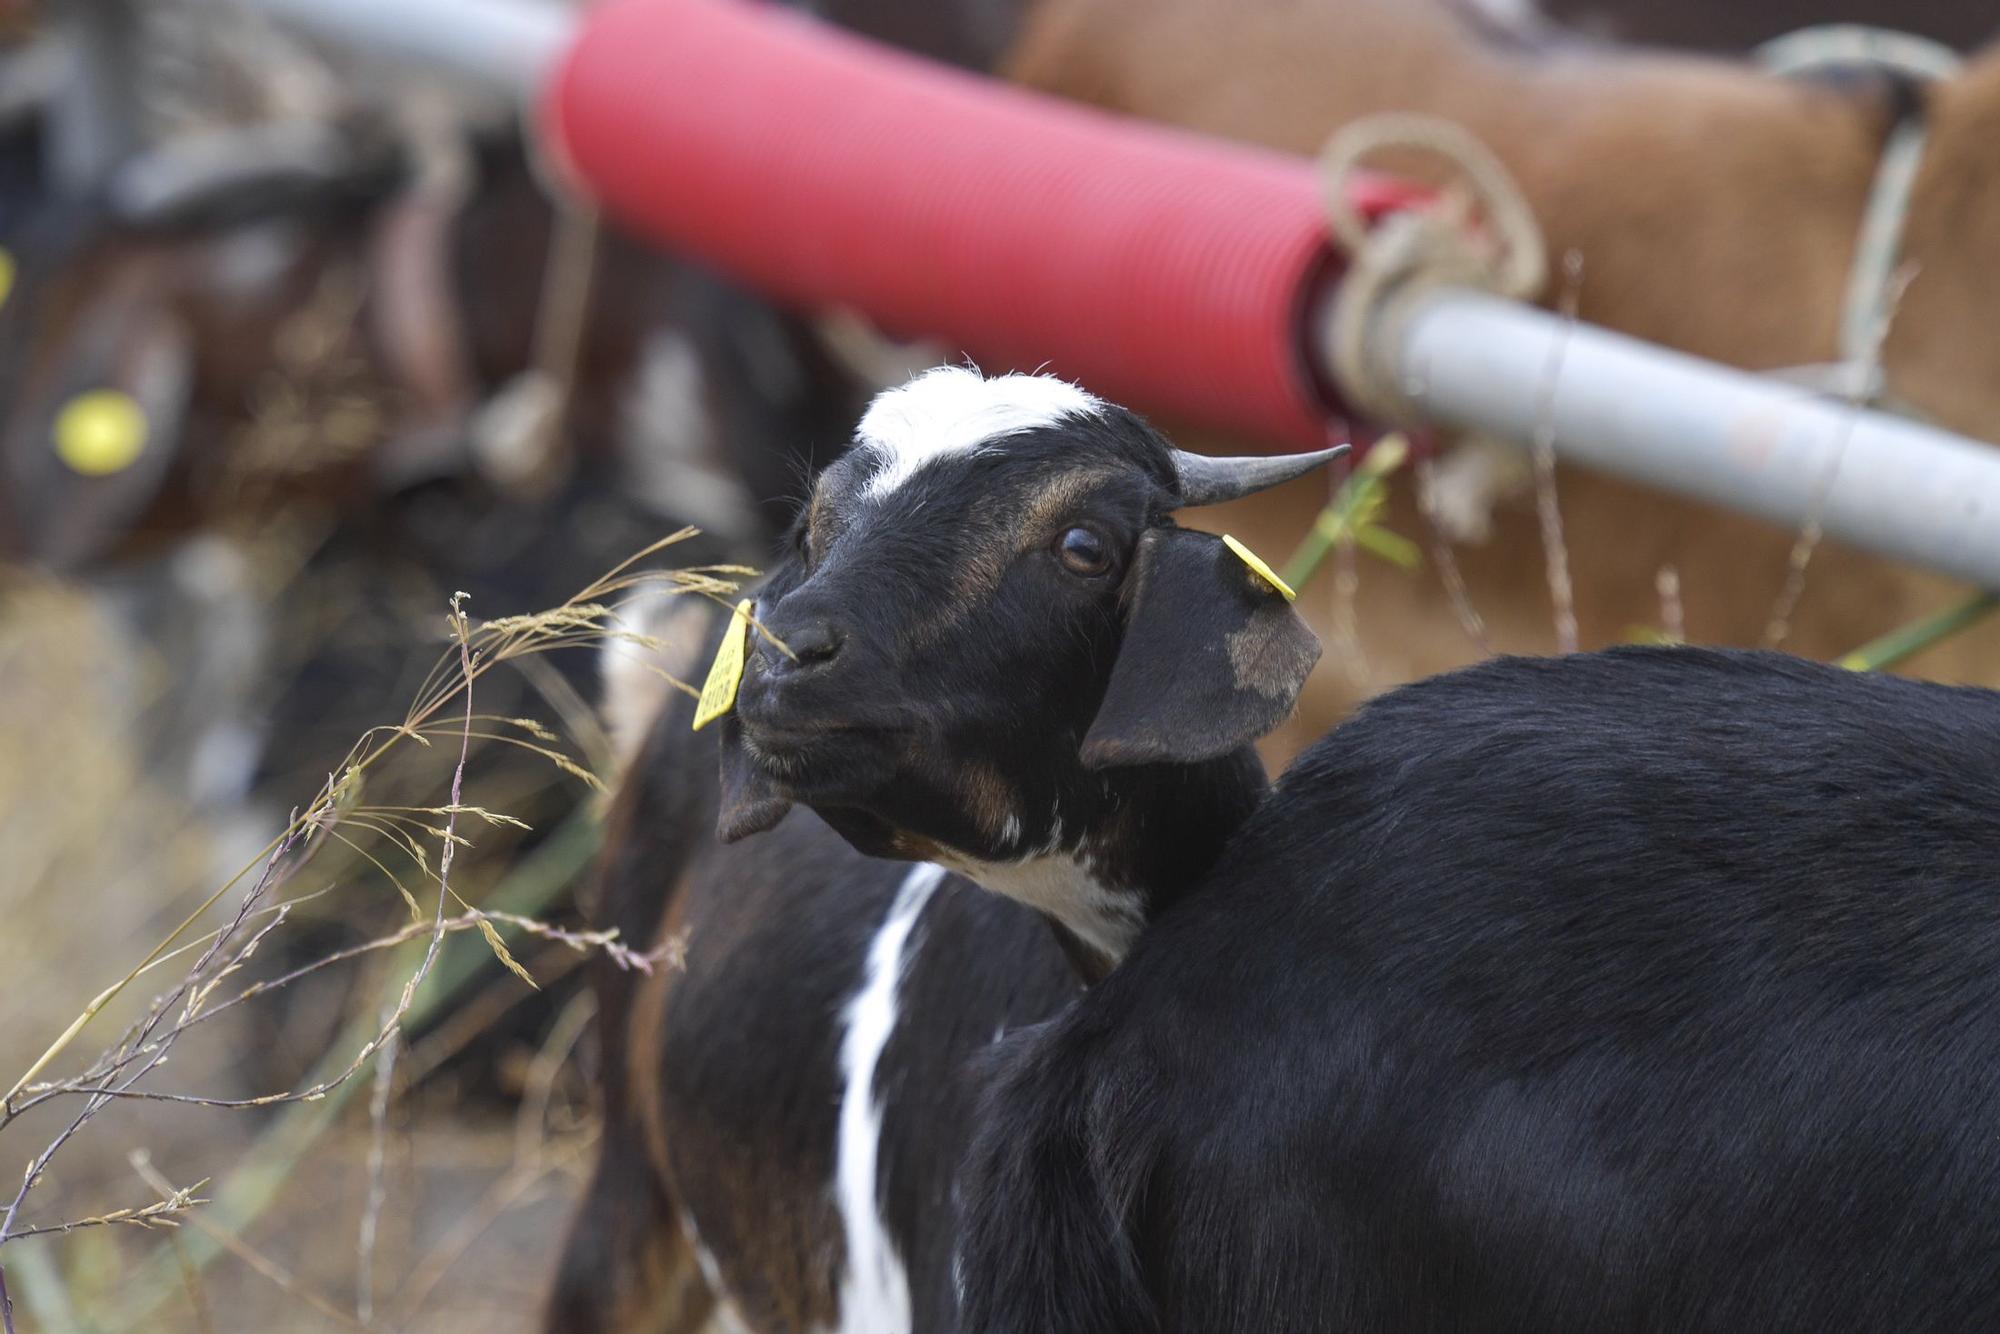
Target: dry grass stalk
{"type": "Point", "coordinates": [1673, 616]}
{"type": "Point", "coordinates": [176, 1200]}
{"type": "Point", "coordinates": [99, 1091]}
{"type": "Point", "coordinates": [378, 1142]}
{"type": "Point", "coordinates": [534, 1159]}
{"type": "Point", "coordinates": [1862, 390]}
{"type": "Point", "coordinates": [1346, 593]}
{"type": "Point", "coordinates": [468, 1021]}
{"type": "Point", "coordinates": [257, 1260]}
{"type": "Point", "coordinates": [191, 1283]}
{"type": "Point", "coordinates": [1348, 522]}
{"type": "Point", "coordinates": [582, 620]}
{"type": "Point", "coordinates": [335, 813]}
{"type": "Point", "coordinates": [473, 919]}
{"type": "Point", "coordinates": [1562, 593]}
{"type": "Point", "coordinates": [1446, 561]}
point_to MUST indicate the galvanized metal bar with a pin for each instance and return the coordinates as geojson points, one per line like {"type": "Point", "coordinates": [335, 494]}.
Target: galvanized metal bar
{"type": "Point", "coordinates": [94, 117]}
{"type": "Point", "coordinates": [1475, 362]}
{"type": "Point", "coordinates": [1478, 363]}
{"type": "Point", "coordinates": [505, 45]}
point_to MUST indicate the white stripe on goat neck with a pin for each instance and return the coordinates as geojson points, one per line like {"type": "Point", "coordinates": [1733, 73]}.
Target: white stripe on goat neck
{"type": "Point", "coordinates": [952, 409]}
{"type": "Point", "coordinates": [1064, 886]}
{"type": "Point", "coordinates": [875, 1290]}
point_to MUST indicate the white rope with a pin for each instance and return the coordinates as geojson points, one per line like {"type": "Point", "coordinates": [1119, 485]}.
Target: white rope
{"type": "Point", "coordinates": [1867, 304]}
{"type": "Point", "coordinates": [1410, 252]}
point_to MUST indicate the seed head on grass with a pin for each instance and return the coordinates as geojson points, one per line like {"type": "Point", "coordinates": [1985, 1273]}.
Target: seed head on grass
{"type": "Point", "coordinates": [378, 834]}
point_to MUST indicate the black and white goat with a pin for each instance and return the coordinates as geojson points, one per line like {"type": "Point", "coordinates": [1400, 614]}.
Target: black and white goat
{"type": "Point", "coordinates": [1001, 661]}
{"type": "Point", "coordinates": [1651, 989]}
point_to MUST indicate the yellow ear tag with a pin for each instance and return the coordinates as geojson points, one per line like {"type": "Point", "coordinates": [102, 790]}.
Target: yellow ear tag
{"type": "Point", "coordinates": [1264, 572]}
{"type": "Point", "coordinates": [718, 692]}
{"type": "Point", "coordinates": [100, 432]}
{"type": "Point", "coordinates": [6, 274]}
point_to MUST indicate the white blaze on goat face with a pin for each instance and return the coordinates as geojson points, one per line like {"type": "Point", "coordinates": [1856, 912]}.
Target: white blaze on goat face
{"type": "Point", "coordinates": [955, 410]}
{"type": "Point", "coordinates": [875, 1290]}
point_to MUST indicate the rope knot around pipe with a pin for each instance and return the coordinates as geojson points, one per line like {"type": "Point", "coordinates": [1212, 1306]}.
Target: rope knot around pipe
{"type": "Point", "coordinates": [1481, 234]}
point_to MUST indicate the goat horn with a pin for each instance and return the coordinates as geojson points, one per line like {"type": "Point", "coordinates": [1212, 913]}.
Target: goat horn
{"type": "Point", "coordinates": [1210, 481]}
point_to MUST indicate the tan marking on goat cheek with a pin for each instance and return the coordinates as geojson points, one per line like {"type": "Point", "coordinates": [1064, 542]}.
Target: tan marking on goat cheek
{"type": "Point", "coordinates": [818, 515]}
{"type": "Point", "coordinates": [987, 797]}
{"type": "Point", "coordinates": [982, 561]}
{"type": "Point", "coordinates": [1059, 501]}
{"type": "Point", "coordinates": [913, 847]}
{"type": "Point", "coordinates": [977, 567]}
{"type": "Point", "coordinates": [975, 570]}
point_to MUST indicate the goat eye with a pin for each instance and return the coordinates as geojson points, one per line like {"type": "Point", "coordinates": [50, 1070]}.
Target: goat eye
{"type": "Point", "coordinates": [1083, 552]}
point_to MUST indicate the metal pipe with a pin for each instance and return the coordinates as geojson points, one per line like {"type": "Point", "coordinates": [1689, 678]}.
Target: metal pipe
{"type": "Point", "coordinates": [94, 120]}
{"type": "Point", "coordinates": [1478, 363]}
{"type": "Point", "coordinates": [1464, 359]}
{"type": "Point", "coordinates": [506, 45]}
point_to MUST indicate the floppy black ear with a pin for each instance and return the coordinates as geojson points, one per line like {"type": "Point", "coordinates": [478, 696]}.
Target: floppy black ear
{"type": "Point", "coordinates": [1213, 656]}
{"type": "Point", "coordinates": [750, 802]}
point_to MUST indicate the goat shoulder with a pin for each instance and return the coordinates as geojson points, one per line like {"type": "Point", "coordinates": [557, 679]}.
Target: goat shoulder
{"type": "Point", "coordinates": [1647, 989]}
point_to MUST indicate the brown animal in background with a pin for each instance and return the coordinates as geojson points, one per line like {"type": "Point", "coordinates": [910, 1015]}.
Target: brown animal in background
{"type": "Point", "coordinates": [1727, 25]}
{"type": "Point", "coordinates": [1715, 208]}
{"type": "Point", "coordinates": [327, 342]}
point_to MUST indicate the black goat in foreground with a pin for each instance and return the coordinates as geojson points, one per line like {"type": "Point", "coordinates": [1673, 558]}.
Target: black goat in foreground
{"type": "Point", "coordinates": [1648, 989]}
{"type": "Point", "coordinates": [1001, 658]}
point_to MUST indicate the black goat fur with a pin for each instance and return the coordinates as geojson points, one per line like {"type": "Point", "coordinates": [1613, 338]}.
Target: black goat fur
{"type": "Point", "coordinates": [1652, 989]}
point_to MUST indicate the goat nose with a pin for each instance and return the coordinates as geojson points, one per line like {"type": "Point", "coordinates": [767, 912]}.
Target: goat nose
{"type": "Point", "coordinates": [813, 643]}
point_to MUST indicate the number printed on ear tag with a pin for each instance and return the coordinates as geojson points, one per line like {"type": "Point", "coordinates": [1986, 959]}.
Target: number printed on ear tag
{"type": "Point", "coordinates": [718, 693]}
{"type": "Point", "coordinates": [1264, 572]}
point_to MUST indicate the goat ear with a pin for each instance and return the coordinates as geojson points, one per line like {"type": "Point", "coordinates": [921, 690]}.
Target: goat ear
{"type": "Point", "coordinates": [750, 802]}
{"type": "Point", "coordinates": [1213, 657]}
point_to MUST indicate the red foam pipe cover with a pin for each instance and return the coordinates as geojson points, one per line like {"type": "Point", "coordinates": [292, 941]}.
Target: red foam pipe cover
{"type": "Point", "coordinates": [1165, 270]}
